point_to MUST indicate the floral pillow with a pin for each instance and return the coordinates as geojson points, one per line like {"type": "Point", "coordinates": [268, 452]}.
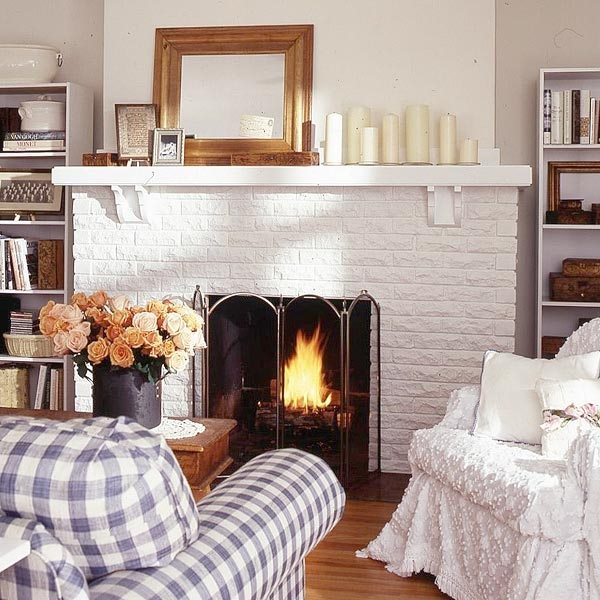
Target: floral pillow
{"type": "Point", "coordinates": [568, 407]}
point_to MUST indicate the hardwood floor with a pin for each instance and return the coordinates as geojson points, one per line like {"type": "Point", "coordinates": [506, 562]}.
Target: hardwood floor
{"type": "Point", "coordinates": [334, 573]}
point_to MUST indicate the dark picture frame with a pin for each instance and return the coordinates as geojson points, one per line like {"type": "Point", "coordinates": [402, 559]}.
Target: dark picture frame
{"type": "Point", "coordinates": [135, 124]}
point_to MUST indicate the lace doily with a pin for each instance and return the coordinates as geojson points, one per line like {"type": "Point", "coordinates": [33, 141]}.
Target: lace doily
{"type": "Point", "coordinates": [176, 429]}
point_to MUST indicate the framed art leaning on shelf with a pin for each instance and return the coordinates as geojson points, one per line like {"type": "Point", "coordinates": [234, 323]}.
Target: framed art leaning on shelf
{"type": "Point", "coordinates": [29, 191]}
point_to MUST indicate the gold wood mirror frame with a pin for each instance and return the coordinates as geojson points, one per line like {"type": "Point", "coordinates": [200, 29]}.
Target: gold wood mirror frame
{"type": "Point", "coordinates": [295, 42]}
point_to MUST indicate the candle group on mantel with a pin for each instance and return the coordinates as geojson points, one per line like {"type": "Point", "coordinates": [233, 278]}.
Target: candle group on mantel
{"type": "Point", "coordinates": [363, 140]}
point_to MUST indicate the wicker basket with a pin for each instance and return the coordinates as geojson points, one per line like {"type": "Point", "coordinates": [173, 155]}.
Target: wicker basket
{"type": "Point", "coordinates": [30, 346]}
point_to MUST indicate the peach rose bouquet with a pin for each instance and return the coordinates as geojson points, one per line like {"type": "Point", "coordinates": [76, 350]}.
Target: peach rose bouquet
{"type": "Point", "coordinates": [98, 329]}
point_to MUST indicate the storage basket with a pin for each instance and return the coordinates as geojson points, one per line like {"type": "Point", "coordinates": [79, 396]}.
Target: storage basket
{"type": "Point", "coordinates": [14, 387]}
{"type": "Point", "coordinates": [31, 346]}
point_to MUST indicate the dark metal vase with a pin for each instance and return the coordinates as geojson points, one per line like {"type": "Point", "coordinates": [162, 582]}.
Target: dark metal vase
{"type": "Point", "coordinates": [126, 392]}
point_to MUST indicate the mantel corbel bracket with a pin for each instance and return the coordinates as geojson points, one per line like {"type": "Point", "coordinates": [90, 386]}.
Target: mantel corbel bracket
{"type": "Point", "coordinates": [131, 201]}
{"type": "Point", "coordinates": [444, 205]}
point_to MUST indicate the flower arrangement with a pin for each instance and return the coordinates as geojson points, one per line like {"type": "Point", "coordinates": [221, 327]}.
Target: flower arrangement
{"type": "Point", "coordinates": [555, 418]}
{"type": "Point", "coordinates": [98, 329]}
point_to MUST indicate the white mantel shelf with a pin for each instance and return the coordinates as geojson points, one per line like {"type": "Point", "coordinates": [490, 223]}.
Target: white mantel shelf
{"type": "Point", "coordinates": [344, 176]}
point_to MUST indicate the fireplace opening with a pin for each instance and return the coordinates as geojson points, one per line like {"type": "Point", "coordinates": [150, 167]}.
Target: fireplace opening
{"type": "Point", "coordinates": [298, 372]}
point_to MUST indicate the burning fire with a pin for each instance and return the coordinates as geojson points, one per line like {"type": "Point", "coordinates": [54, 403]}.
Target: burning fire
{"type": "Point", "coordinates": [304, 381]}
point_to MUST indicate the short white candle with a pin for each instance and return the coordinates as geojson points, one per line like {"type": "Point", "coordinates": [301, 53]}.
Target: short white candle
{"type": "Point", "coordinates": [358, 117]}
{"type": "Point", "coordinates": [333, 139]}
{"type": "Point", "coordinates": [369, 146]}
{"type": "Point", "coordinates": [417, 133]}
{"type": "Point", "coordinates": [448, 139]}
{"type": "Point", "coordinates": [469, 153]}
{"type": "Point", "coordinates": [390, 145]}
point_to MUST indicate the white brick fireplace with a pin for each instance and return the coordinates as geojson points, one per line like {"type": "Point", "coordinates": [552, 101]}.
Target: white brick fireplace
{"type": "Point", "coordinates": [446, 293]}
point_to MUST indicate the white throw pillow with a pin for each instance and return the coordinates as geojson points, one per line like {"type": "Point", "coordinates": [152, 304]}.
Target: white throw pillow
{"type": "Point", "coordinates": [558, 395]}
{"type": "Point", "coordinates": [509, 409]}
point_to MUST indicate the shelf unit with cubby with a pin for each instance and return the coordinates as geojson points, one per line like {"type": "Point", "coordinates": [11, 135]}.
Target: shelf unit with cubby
{"type": "Point", "coordinates": [557, 242]}
{"type": "Point", "coordinates": [79, 129]}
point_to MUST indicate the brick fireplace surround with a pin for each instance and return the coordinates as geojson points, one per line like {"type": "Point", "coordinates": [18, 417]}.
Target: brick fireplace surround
{"type": "Point", "coordinates": [447, 294]}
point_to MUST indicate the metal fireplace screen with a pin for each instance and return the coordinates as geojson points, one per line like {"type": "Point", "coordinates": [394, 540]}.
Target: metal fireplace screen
{"type": "Point", "coordinates": [299, 372]}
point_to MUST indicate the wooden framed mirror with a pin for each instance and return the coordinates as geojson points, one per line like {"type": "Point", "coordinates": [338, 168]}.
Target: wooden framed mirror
{"type": "Point", "coordinates": [200, 73]}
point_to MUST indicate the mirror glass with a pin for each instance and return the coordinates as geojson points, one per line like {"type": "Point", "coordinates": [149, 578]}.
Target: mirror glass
{"type": "Point", "coordinates": [232, 96]}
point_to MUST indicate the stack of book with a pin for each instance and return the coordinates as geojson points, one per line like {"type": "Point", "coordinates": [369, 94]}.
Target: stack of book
{"type": "Point", "coordinates": [34, 141]}
{"type": "Point", "coordinates": [50, 388]}
{"type": "Point", "coordinates": [23, 323]}
{"type": "Point", "coordinates": [31, 264]}
{"type": "Point", "coordinates": [571, 117]}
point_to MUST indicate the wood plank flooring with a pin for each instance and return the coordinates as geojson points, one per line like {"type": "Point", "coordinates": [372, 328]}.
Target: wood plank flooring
{"type": "Point", "coordinates": [334, 573]}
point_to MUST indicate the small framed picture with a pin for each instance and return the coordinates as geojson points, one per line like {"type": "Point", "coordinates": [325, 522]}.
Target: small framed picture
{"type": "Point", "coordinates": [168, 147]}
{"type": "Point", "coordinates": [135, 123]}
{"type": "Point", "coordinates": [29, 191]}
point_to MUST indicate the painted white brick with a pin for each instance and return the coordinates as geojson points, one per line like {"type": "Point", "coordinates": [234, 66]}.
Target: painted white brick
{"type": "Point", "coordinates": [446, 294]}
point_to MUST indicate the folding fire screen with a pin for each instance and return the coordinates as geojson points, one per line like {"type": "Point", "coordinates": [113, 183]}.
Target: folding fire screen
{"type": "Point", "coordinates": [301, 372]}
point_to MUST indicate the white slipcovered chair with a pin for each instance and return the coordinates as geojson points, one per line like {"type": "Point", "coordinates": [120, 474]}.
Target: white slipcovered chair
{"type": "Point", "coordinates": [496, 520]}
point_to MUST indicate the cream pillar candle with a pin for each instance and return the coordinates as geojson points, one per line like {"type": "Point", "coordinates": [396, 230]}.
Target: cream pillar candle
{"type": "Point", "coordinates": [417, 133]}
{"type": "Point", "coordinates": [358, 117]}
{"type": "Point", "coordinates": [448, 139]}
{"type": "Point", "coordinates": [390, 144]}
{"type": "Point", "coordinates": [369, 146]}
{"type": "Point", "coordinates": [333, 139]}
{"type": "Point", "coordinates": [469, 152]}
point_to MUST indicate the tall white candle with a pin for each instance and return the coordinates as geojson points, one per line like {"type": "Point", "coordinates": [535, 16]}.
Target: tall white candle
{"type": "Point", "coordinates": [390, 145]}
{"type": "Point", "coordinates": [369, 146]}
{"type": "Point", "coordinates": [448, 139]}
{"type": "Point", "coordinates": [333, 139]}
{"type": "Point", "coordinates": [417, 133]}
{"type": "Point", "coordinates": [469, 152]}
{"type": "Point", "coordinates": [358, 117]}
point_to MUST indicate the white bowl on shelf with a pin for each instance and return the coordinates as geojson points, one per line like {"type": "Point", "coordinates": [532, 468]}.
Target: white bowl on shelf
{"type": "Point", "coordinates": [28, 64]}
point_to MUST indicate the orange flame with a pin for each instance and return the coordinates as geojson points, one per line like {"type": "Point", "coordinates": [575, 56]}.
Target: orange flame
{"type": "Point", "coordinates": [304, 381]}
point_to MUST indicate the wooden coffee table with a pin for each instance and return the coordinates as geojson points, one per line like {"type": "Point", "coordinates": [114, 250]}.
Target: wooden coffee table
{"type": "Point", "coordinates": [202, 458]}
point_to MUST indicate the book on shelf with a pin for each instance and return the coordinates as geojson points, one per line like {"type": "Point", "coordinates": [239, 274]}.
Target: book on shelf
{"type": "Point", "coordinates": [34, 135]}
{"type": "Point", "coordinates": [547, 115]}
{"type": "Point", "coordinates": [567, 117]}
{"type": "Point", "coordinates": [556, 122]}
{"type": "Point", "coordinates": [40, 387]}
{"type": "Point", "coordinates": [33, 146]}
{"type": "Point", "coordinates": [584, 117]}
{"type": "Point", "coordinates": [14, 386]}
{"type": "Point", "coordinates": [31, 264]}
{"type": "Point", "coordinates": [575, 110]}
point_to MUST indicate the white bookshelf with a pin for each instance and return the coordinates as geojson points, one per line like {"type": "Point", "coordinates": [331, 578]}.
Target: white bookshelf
{"type": "Point", "coordinates": [557, 242]}
{"type": "Point", "coordinates": [79, 129]}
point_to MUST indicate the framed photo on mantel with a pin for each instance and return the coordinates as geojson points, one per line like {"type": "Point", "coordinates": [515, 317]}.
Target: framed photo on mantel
{"type": "Point", "coordinates": [135, 125]}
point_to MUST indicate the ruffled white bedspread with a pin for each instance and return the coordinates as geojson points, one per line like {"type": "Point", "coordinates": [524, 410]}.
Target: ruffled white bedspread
{"type": "Point", "coordinates": [496, 521]}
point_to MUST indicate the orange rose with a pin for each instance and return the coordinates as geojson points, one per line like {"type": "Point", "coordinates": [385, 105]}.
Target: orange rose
{"type": "Point", "coordinates": [120, 354]}
{"type": "Point", "coordinates": [98, 299]}
{"type": "Point", "coordinates": [47, 325]}
{"type": "Point", "coordinates": [72, 315]}
{"type": "Point", "coordinates": [60, 343]}
{"type": "Point", "coordinates": [156, 307]}
{"type": "Point", "coordinates": [76, 340]}
{"type": "Point", "coordinates": [152, 339]}
{"type": "Point", "coordinates": [99, 317]}
{"type": "Point", "coordinates": [121, 318]}
{"type": "Point", "coordinates": [134, 337]}
{"type": "Point", "coordinates": [98, 351]}
{"type": "Point", "coordinates": [168, 348]}
{"type": "Point", "coordinates": [47, 308]}
{"type": "Point", "coordinates": [81, 300]}
{"type": "Point", "coordinates": [120, 302]}
{"type": "Point", "coordinates": [113, 332]}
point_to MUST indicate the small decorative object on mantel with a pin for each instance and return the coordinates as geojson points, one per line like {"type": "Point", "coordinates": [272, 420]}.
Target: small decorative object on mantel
{"type": "Point", "coordinates": [447, 139]}
{"type": "Point", "coordinates": [369, 146]}
{"type": "Point", "coordinates": [334, 127]}
{"type": "Point", "coordinates": [167, 147]}
{"type": "Point", "coordinates": [275, 159]}
{"type": "Point", "coordinates": [417, 134]}
{"type": "Point", "coordinates": [469, 152]}
{"type": "Point", "coordinates": [127, 347]}
{"type": "Point", "coordinates": [102, 159]}
{"type": "Point", "coordinates": [358, 117]}
{"type": "Point", "coordinates": [135, 123]}
{"type": "Point", "coordinates": [390, 146]}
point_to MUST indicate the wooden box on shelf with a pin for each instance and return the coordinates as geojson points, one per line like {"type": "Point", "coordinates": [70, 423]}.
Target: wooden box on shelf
{"type": "Point", "coordinates": [551, 344]}
{"type": "Point", "coordinates": [574, 289]}
{"type": "Point", "coordinates": [581, 267]}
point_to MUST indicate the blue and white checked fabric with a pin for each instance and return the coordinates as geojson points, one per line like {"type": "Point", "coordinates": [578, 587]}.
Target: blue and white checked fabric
{"type": "Point", "coordinates": [255, 532]}
{"type": "Point", "coordinates": [108, 489]}
{"type": "Point", "coordinates": [48, 573]}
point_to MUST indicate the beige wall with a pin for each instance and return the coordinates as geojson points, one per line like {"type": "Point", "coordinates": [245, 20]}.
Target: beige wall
{"type": "Point", "coordinates": [384, 54]}
{"type": "Point", "coordinates": [74, 27]}
{"type": "Point", "coordinates": [532, 34]}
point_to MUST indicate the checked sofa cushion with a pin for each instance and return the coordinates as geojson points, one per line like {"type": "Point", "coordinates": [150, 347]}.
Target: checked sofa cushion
{"type": "Point", "coordinates": [109, 490]}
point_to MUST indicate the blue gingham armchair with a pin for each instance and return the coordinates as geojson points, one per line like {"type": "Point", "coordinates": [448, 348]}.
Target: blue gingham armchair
{"type": "Point", "coordinates": [249, 542]}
